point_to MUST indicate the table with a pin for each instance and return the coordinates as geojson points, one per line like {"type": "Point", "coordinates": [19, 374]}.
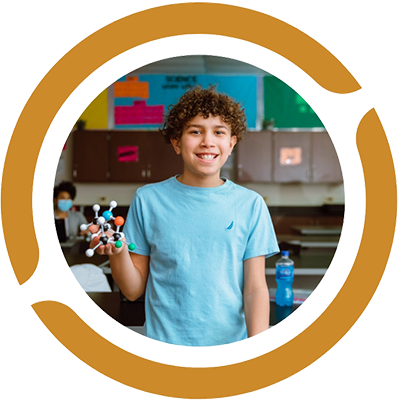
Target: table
{"type": "Point", "coordinates": [73, 259]}
{"type": "Point", "coordinates": [311, 241]}
{"type": "Point", "coordinates": [75, 246]}
{"type": "Point", "coordinates": [318, 229]}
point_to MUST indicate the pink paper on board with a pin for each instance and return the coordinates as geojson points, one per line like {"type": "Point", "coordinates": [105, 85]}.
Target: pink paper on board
{"type": "Point", "coordinates": [139, 113]}
{"type": "Point", "coordinates": [128, 153]}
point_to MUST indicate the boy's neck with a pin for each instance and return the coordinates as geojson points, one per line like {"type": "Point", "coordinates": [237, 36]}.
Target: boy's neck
{"type": "Point", "coordinates": [205, 182]}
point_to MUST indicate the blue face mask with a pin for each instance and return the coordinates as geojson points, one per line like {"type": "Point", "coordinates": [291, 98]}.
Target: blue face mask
{"type": "Point", "coordinates": [64, 205]}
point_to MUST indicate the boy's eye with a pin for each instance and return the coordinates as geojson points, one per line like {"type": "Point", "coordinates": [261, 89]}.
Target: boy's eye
{"type": "Point", "coordinates": [195, 132]}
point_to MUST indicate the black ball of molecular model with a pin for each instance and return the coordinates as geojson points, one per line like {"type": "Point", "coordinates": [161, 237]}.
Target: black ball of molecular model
{"type": "Point", "coordinates": [103, 222]}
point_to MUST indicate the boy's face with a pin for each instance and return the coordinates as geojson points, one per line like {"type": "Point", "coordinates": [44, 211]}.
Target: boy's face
{"type": "Point", "coordinates": [205, 145]}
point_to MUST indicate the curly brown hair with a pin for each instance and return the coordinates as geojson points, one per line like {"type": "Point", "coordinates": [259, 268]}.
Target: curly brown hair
{"type": "Point", "coordinates": [199, 101]}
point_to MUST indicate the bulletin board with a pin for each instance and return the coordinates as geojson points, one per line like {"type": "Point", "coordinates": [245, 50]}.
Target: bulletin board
{"type": "Point", "coordinates": [140, 101]}
{"type": "Point", "coordinates": [286, 106]}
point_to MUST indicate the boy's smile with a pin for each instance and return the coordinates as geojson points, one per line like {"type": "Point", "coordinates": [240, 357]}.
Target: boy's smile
{"type": "Point", "coordinates": [205, 145]}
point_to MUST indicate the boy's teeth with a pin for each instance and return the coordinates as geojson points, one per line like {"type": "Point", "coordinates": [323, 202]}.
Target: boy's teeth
{"type": "Point", "coordinates": [206, 156]}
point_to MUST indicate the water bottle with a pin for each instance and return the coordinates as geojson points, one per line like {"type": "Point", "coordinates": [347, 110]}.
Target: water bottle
{"type": "Point", "coordinates": [284, 280]}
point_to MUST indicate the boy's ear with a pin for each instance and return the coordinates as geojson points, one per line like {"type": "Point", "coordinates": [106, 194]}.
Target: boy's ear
{"type": "Point", "coordinates": [176, 145]}
{"type": "Point", "coordinates": [233, 143]}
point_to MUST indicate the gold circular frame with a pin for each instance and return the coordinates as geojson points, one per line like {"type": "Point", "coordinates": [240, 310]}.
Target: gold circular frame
{"type": "Point", "coordinates": [266, 369]}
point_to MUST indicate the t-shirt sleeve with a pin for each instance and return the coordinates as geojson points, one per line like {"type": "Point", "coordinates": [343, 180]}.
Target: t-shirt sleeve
{"type": "Point", "coordinates": [262, 238]}
{"type": "Point", "coordinates": [134, 228]}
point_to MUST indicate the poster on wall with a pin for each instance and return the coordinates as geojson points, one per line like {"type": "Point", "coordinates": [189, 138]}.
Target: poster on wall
{"type": "Point", "coordinates": [141, 101]}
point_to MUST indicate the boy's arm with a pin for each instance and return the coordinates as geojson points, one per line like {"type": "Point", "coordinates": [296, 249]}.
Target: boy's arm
{"type": "Point", "coordinates": [129, 270]}
{"type": "Point", "coordinates": [255, 296]}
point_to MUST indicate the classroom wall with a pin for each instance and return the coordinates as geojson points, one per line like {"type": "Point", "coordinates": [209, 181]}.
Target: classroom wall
{"type": "Point", "coordinates": [288, 194]}
{"type": "Point", "coordinates": [274, 194]}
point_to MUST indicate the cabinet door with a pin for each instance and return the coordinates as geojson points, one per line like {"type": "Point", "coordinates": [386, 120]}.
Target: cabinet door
{"type": "Point", "coordinates": [141, 156]}
{"type": "Point", "coordinates": [325, 162]}
{"type": "Point", "coordinates": [292, 157]}
{"type": "Point", "coordinates": [90, 156]}
{"type": "Point", "coordinates": [163, 161]}
{"type": "Point", "coordinates": [129, 152]}
{"type": "Point", "coordinates": [254, 157]}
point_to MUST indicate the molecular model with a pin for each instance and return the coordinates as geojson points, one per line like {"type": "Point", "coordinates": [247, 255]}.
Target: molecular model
{"type": "Point", "coordinates": [117, 237]}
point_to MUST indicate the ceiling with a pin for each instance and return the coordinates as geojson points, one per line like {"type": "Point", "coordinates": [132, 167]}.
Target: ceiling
{"type": "Point", "coordinates": [198, 65]}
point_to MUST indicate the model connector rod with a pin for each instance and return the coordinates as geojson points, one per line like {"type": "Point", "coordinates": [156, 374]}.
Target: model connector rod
{"type": "Point", "coordinates": [101, 225]}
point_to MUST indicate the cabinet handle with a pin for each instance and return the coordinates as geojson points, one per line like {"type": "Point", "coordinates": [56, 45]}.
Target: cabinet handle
{"type": "Point", "coordinates": [143, 173]}
{"type": "Point", "coordinates": [149, 173]}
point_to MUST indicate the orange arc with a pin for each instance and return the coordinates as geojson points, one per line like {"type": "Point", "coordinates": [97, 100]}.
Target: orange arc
{"type": "Point", "coordinates": [272, 367]}
{"type": "Point", "coordinates": [113, 40]}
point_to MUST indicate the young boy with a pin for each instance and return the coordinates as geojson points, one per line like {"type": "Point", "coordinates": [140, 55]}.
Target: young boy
{"type": "Point", "coordinates": [201, 240]}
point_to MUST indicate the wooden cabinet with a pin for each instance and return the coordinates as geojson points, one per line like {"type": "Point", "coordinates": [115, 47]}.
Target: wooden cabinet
{"type": "Point", "coordinates": [254, 157]}
{"type": "Point", "coordinates": [129, 157]}
{"type": "Point", "coordinates": [288, 156]}
{"type": "Point", "coordinates": [124, 157]}
{"type": "Point", "coordinates": [142, 157]}
{"type": "Point", "coordinates": [325, 163]}
{"type": "Point", "coordinates": [292, 162]}
{"type": "Point", "coordinates": [90, 156]}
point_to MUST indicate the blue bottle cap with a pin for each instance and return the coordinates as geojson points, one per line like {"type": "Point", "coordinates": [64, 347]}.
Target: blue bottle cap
{"type": "Point", "coordinates": [285, 253]}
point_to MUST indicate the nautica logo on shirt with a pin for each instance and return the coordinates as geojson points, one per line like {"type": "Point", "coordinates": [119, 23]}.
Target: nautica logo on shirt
{"type": "Point", "coordinates": [230, 226]}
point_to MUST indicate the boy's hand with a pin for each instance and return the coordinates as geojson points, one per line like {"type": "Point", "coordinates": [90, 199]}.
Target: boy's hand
{"type": "Point", "coordinates": [108, 249]}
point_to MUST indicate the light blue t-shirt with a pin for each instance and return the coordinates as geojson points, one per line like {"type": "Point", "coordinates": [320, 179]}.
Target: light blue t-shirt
{"type": "Point", "coordinates": [197, 239]}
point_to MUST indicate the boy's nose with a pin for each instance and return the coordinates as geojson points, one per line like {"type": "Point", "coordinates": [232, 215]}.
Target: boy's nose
{"type": "Point", "coordinates": [208, 140]}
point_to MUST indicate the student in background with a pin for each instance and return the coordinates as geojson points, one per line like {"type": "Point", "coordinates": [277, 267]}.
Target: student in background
{"type": "Point", "coordinates": [64, 194]}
